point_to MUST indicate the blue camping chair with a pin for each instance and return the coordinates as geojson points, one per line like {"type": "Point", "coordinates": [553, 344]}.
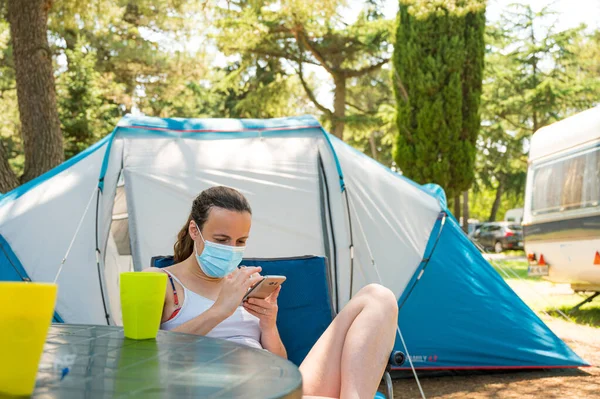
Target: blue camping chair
{"type": "Point", "coordinates": [305, 305]}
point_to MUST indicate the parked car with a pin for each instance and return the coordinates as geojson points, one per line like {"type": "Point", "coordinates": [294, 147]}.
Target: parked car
{"type": "Point", "coordinates": [473, 227]}
{"type": "Point", "coordinates": [499, 236]}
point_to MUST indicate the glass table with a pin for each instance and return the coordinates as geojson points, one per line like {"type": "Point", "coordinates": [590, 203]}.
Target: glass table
{"type": "Point", "coordinates": [81, 361]}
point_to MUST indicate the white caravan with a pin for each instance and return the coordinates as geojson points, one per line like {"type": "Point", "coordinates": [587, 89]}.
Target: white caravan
{"type": "Point", "coordinates": [562, 202]}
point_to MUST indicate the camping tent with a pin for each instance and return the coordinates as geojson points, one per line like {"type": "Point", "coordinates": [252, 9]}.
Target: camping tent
{"type": "Point", "coordinates": [122, 201]}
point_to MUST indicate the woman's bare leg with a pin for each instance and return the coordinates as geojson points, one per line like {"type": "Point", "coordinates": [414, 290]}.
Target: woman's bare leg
{"type": "Point", "coordinates": [350, 357]}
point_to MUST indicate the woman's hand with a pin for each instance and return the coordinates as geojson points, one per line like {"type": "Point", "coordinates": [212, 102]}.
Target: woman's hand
{"type": "Point", "coordinates": [264, 309]}
{"type": "Point", "coordinates": [235, 285]}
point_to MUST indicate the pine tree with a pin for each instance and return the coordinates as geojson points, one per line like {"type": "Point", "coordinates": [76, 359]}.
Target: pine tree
{"type": "Point", "coordinates": [534, 75]}
{"type": "Point", "coordinates": [309, 32]}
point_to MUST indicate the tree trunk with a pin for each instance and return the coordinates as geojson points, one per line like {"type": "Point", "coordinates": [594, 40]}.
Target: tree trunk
{"type": "Point", "coordinates": [8, 179]}
{"type": "Point", "coordinates": [339, 107]}
{"type": "Point", "coordinates": [457, 207]}
{"type": "Point", "coordinates": [496, 205]}
{"type": "Point", "coordinates": [466, 211]}
{"type": "Point", "coordinates": [373, 146]}
{"type": "Point", "coordinates": [36, 93]}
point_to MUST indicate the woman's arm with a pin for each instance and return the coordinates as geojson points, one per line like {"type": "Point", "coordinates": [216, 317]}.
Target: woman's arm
{"type": "Point", "coordinates": [271, 341]}
{"type": "Point", "coordinates": [266, 311]}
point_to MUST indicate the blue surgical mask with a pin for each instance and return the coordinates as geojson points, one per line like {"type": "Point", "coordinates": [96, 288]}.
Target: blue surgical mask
{"type": "Point", "coordinates": [218, 260]}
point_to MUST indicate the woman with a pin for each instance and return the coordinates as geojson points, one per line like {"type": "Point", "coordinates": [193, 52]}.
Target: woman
{"type": "Point", "coordinates": [206, 288]}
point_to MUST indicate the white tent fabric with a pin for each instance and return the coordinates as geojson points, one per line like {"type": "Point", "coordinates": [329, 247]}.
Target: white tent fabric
{"type": "Point", "coordinates": [39, 226]}
{"type": "Point", "coordinates": [392, 220]}
{"type": "Point", "coordinates": [288, 168]}
{"type": "Point", "coordinates": [278, 175]}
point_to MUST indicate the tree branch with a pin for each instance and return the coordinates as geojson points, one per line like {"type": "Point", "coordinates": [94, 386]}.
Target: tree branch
{"type": "Point", "coordinates": [301, 39]}
{"type": "Point", "coordinates": [278, 54]}
{"type": "Point", "coordinates": [356, 107]}
{"type": "Point", "coordinates": [352, 73]}
{"type": "Point", "coordinates": [400, 86]}
{"type": "Point", "coordinates": [515, 125]}
{"type": "Point", "coordinates": [310, 93]}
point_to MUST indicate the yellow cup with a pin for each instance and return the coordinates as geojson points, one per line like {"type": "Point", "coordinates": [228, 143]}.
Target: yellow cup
{"type": "Point", "coordinates": [142, 301]}
{"type": "Point", "coordinates": [25, 315]}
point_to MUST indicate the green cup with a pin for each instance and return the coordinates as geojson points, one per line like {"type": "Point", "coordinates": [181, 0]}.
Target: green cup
{"type": "Point", "coordinates": [142, 301]}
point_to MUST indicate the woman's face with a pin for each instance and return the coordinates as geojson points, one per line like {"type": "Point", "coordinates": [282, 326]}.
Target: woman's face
{"type": "Point", "coordinates": [223, 227]}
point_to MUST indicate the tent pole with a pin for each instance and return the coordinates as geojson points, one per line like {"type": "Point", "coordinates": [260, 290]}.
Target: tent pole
{"type": "Point", "coordinates": [327, 204]}
{"type": "Point", "coordinates": [351, 243]}
{"type": "Point", "coordinates": [98, 255]}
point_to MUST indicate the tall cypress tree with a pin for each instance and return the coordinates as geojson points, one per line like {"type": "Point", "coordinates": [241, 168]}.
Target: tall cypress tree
{"type": "Point", "coordinates": [438, 61]}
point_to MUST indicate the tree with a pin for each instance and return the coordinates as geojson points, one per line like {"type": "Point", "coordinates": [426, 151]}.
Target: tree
{"type": "Point", "coordinates": [438, 62]}
{"type": "Point", "coordinates": [10, 142]}
{"type": "Point", "coordinates": [249, 88]}
{"type": "Point", "coordinates": [133, 41]}
{"type": "Point", "coordinates": [86, 111]}
{"type": "Point", "coordinates": [40, 125]}
{"type": "Point", "coordinates": [371, 121]}
{"type": "Point", "coordinates": [309, 33]}
{"type": "Point", "coordinates": [534, 75]}
{"type": "Point", "coordinates": [8, 180]}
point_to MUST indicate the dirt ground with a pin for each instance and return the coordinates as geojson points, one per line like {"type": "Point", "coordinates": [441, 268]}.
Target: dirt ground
{"type": "Point", "coordinates": [583, 383]}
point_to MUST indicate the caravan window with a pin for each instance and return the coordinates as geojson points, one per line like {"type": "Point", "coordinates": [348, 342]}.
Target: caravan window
{"type": "Point", "coordinates": [568, 183]}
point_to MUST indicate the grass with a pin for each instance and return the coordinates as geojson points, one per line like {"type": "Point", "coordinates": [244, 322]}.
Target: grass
{"type": "Point", "coordinates": [542, 296]}
{"type": "Point", "coordinates": [513, 269]}
{"type": "Point", "coordinates": [588, 314]}
{"type": "Point", "coordinates": [514, 252]}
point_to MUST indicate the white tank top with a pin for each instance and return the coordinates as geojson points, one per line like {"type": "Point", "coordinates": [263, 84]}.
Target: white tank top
{"type": "Point", "coordinates": [240, 327]}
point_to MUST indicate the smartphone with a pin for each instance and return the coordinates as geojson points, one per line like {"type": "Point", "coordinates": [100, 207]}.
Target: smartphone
{"type": "Point", "coordinates": [264, 287]}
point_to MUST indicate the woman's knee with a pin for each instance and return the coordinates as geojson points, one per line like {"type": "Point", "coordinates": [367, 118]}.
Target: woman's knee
{"type": "Point", "coordinates": [380, 296]}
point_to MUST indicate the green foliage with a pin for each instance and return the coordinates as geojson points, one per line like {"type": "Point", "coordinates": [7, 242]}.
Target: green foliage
{"type": "Point", "coordinates": [306, 31]}
{"type": "Point", "coordinates": [371, 113]}
{"type": "Point", "coordinates": [118, 56]}
{"type": "Point", "coordinates": [251, 88]}
{"type": "Point", "coordinates": [134, 41]}
{"type": "Point", "coordinates": [481, 200]}
{"type": "Point", "coordinates": [310, 33]}
{"type": "Point", "coordinates": [86, 110]}
{"type": "Point", "coordinates": [534, 75]}
{"type": "Point", "coordinates": [438, 60]}
{"type": "Point", "coordinates": [260, 88]}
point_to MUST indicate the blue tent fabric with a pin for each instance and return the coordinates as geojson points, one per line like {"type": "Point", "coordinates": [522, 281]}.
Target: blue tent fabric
{"type": "Point", "coordinates": [431, 245]}
{"type": "Point", "coordinates": [436, 191]}
{"type": "Point", "coordinates": [305, 308]}
{"type": "Point", "coordinates": [219, 125]}
{"type": "Point", "coordinates": [479, 322]}
{"type": "Point", "coordinates": [11, 268]}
